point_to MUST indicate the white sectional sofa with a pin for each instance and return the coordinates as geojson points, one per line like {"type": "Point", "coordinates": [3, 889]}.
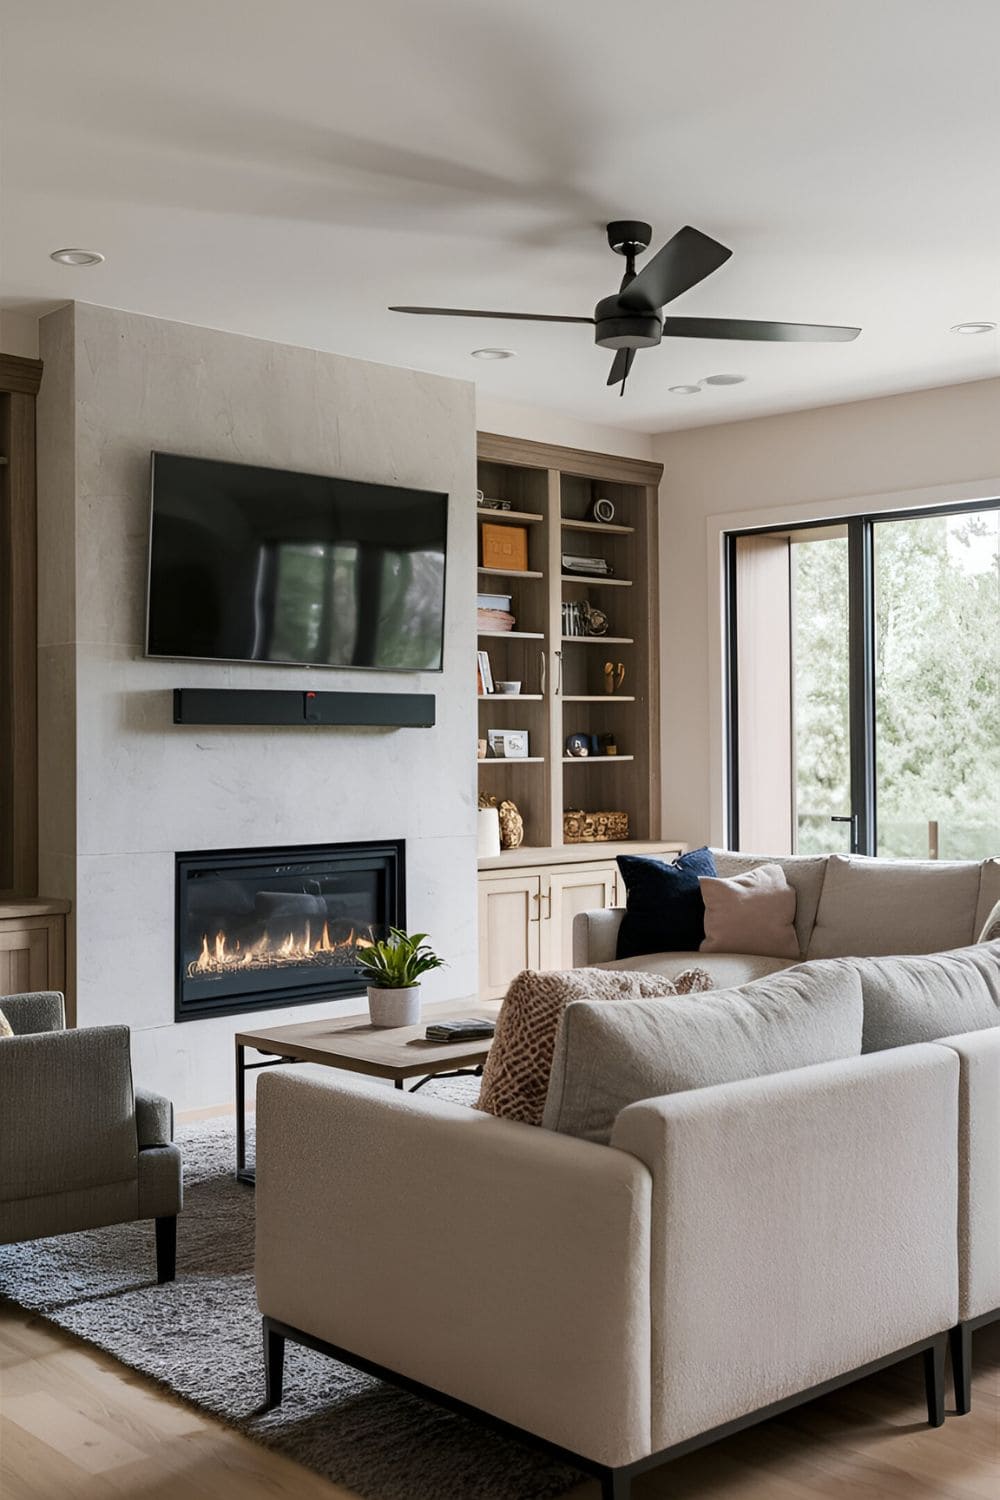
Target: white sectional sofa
{"type": "Point", "coordinates": [731, 1251]}
{"type": "Point", "coordinates": [847, 906]}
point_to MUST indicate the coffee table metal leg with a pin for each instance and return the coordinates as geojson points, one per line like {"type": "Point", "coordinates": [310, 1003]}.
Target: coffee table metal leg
{"type": "Point", "coordinates": [242, 1175]}
{"type": "Point", "coordinates": [476, 1072]}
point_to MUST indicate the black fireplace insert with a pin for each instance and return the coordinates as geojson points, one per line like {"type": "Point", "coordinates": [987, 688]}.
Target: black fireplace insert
{"type": "Point", "coordinates": [262, 928]}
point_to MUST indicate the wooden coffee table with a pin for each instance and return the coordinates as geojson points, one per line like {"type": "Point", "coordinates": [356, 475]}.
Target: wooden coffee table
{"type": "Point", "coordinates": [396, 1053]}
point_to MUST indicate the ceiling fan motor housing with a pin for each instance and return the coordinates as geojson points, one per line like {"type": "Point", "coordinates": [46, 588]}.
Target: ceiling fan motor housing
{"type": "Point", "coordinates": [617, 329]}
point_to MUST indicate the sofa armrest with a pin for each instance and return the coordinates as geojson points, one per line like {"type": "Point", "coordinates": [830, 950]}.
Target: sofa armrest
{"type": "Point", "coordinates": [67, 1119]}
{"type": "Point", "coordinates": [41, 1010]}
{"type": "Point", "coordinates": [803, 1225]}
{"type": "Point", "coordinates": [154, 1119]}
{"type": "Point", "coordinates": [595, 936]}
{"type": "Point", "coordinates": [979, 1170]}
{"type": "Point", "coordinates": [493, 1261]}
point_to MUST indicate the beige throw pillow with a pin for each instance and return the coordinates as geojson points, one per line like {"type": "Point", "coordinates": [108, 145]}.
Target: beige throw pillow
{"type": "Point", "coordinates": [750, 913]}
{"type": "Point", "coordinates": [6, 1029]}
{"type": "Point", "coordinates": [516, 1074]}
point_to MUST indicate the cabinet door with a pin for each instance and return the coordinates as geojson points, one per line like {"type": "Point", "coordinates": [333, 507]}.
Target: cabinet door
{"type": "Point", "coordinates": [509, 924]}
{"type": "Point", "coordinates": [570, 891]}
{"type": "Point", "coordinates": [31, 954]}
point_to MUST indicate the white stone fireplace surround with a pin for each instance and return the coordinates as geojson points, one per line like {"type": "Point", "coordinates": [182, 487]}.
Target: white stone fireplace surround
{"type": "Point", "coordinates": [122, 787]}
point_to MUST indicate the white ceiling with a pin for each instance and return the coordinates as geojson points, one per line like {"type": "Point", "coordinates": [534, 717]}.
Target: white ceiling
{"type": "Point", "coordinates": [287, 168]}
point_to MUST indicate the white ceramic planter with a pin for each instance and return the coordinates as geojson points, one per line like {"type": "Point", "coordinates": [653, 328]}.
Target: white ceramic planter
{"type": "Point", "coordinates": [394, 1007]}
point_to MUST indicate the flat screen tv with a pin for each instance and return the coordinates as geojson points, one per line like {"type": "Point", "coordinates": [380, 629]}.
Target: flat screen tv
{"type": "Point", "coordinates": [251, 564]}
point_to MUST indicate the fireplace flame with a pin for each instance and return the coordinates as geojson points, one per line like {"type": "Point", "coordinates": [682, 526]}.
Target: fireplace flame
{"type": "Point", "coordinates": [221, 955]}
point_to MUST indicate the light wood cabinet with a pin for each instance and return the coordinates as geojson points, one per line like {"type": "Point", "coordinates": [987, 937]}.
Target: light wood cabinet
{"type": "Point", "coordinates": [509, 929]}
{"type": "Point", "coordinates": [32, 946]}
{"type": "Point", "coordinates": [526, 910]}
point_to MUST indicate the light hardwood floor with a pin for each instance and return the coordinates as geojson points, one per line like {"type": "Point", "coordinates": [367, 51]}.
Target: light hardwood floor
{"type": "Point", "coordinates": [75, 1425]}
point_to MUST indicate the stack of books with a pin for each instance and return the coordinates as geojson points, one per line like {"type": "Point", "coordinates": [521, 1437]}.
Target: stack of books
{"type": "Point", "coordinates": [493, 612]}
{"type": "Point", "coordinates": [596, 567]}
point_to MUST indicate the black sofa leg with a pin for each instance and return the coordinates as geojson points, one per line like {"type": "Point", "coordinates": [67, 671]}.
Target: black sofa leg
{"type": "Point", "coordinates": [960, 1339]}
{"type": "Point", "coordinates": [166, 1249]}
{"type": "Point", "coordinates": [934, 1382]}
{"type": "Point", "coordinates": [274, 1365]}
{"type": "Point", "coordinates": [616, 1485]}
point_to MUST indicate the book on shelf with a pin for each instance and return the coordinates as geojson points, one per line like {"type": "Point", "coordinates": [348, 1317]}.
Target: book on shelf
{"type": "Point", "coordinates": [486, 684]}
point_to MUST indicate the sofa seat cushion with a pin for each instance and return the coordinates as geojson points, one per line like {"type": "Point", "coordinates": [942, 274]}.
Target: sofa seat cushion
{"type": "Point", "coordinates": [920, 998]}
{"type": "Point", "coordinates": [610, 1056]}
{"type": "Point", "coordinates": [724, 969]}
{"type": "Point", "coordinates": [516, 1073]}
{"type": "Point", "coordinates": [880, 907]}
{"type": "Point", "coordinates": [804, 873]}
{"type": "Point", "coordinates": [750, 913]}
{"type": "Point", "coordinates": [664, 911]}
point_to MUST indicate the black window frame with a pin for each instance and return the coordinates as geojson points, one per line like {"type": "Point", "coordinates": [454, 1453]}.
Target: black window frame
{"type": "Point", "coordinates": [861, 656]}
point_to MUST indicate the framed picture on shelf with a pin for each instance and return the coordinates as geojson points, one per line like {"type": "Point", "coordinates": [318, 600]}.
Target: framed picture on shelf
{"type": "Point", "coordinates": [508, 744]}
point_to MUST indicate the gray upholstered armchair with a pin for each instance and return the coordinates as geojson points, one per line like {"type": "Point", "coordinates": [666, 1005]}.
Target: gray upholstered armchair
{"type": "Point", "coordinates": [79, 1146]}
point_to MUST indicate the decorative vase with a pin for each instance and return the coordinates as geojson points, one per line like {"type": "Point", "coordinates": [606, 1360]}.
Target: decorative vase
{"type": "Point", "coordinates": [488, 829]}
{"type": "Point", "coordinates": [399, 1007]}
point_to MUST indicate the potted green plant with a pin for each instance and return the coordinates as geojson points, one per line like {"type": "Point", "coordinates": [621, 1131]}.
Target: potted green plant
{"type": "Point", "coordinates": [393, 968]}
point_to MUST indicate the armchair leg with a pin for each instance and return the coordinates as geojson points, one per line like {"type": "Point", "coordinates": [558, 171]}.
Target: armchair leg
{"type": "Point", "coordinates": [274, 1366]}
{"type": "Point", "coordinates": [960, 1339]}
{"type": "Point", "coordinates": [616, 1485]}
{"type": "Point", "coordinates": [934, 1382]}
{"type": "Point", "coordinates": [166, 1249]}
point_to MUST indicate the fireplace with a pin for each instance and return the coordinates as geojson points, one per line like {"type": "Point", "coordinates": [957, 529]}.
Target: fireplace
{"type": "Point", "coordinates": [262, 928]}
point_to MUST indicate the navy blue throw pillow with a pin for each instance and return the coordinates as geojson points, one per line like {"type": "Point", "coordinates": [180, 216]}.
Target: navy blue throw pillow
{"type": "Point", "coordinates": [664, 912]}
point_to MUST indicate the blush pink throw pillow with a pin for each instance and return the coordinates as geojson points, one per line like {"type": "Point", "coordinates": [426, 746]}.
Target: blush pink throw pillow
{"type": "Point", "coordinates": [751, 913]}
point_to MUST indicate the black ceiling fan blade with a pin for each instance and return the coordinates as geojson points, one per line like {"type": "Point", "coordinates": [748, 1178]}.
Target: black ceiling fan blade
{"type": "Point", "coordinates": [748, 328]}
{"type": "Point", "coordinates": [681, 263]}
{"type": "Point", "coordinates": [476, 312]}
{"type": "Point", "coordinates": [620, 366]}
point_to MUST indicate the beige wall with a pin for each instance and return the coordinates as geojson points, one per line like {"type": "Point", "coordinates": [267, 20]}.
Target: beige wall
{"type": "Point", "coordinates": [541, 424]}
{"type": "Point", "coordinates": [927, 447]}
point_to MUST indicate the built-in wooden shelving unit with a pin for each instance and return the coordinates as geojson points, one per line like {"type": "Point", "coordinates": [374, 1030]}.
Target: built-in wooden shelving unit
{"type": "Point", "coordinates": [551, 492]}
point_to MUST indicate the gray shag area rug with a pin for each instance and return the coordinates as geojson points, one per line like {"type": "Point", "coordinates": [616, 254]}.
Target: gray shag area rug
{"type": "Point", "coordinates": [200, 1337]}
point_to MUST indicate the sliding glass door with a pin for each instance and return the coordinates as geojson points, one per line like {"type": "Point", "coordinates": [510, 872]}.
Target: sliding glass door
{"type": "Point", "coordinates": [864, 668]}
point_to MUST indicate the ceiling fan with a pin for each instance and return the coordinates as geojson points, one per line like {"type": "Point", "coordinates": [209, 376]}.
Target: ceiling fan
{"type": "Point", "coordinates": [633, 318]}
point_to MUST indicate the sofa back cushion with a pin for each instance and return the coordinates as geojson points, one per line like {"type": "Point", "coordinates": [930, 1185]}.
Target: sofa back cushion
{"type": "Point", "coordinates": [750, 913]}
{"type": "Point", "coordinates": [989, 895]}
{"type": "Point", "coordinates": [804, 873]}
{"type": "Point", "coordinates": [516, 1073]}
{"type": "Point", "coordinates": [609, 1056]}
{"type": "Point", "coordinates": [922, 997]}
{"type": "Point", "coordinates": [875, 907]}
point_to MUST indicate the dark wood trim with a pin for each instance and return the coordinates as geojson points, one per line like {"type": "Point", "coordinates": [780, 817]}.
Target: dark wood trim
{"type": "Point", "coordinates": [19, 374]}
{"type": "Point", "coordinates": [615, 1480]}
{"type": "Point", "coordinates": [494, 447]}
{"type": "Point", "coordinates": [18, 640]}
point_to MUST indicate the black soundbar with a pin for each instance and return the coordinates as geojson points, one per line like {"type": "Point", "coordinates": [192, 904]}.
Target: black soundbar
{"type": "Point", "coordinates": [263, 706]}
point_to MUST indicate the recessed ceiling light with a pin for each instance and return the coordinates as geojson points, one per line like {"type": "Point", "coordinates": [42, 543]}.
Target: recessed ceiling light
{"type": "Point", "coordinates": [494, 353]}
{"type": "Point", "coordinates": [685, 390]}
{"type": "Point", "coordinates": [973, 327]}
{"type": "Point", "coordinates": [723, 380]}
{"type": "Point", "coordinates": [77, 257]}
